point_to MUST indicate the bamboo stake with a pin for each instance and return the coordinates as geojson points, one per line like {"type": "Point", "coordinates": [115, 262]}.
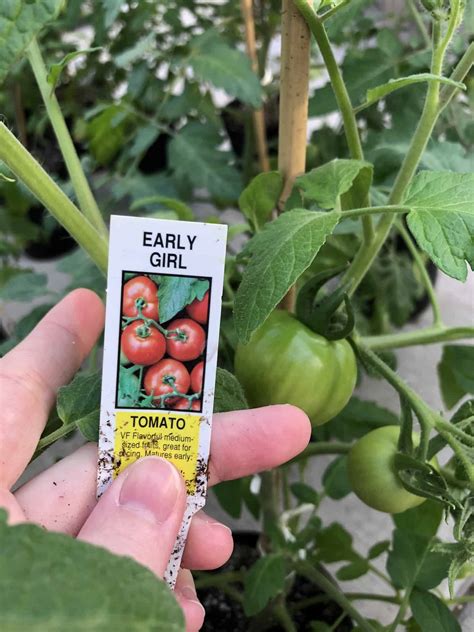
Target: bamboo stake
{"type": "Point", "coordinates": [258, 116]}
{"type": "Point", "coordinates": [293, 118]}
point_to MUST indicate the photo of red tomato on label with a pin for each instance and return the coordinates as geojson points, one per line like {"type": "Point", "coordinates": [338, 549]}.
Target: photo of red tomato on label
{"type": "Point", "coordinates": [163, 338]}
{"type": "Point", "coordinates": [164, 292]}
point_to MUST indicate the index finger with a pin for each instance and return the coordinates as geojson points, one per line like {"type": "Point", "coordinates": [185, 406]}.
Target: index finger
{"type": "Point", "coordinates": [32, 372]}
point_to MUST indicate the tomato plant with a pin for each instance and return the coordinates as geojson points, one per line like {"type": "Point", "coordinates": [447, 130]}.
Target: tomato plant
{"type": "Point", "coordinates": [198, 310]}
{"type": "Point", "coordinates": [188, 340]}
{"type": "Point", "coordinates": [142, 344]}
{"type": "Point", "coordinates": [285, 362]}
{"type": "Point", "coordinates": [357, 217]}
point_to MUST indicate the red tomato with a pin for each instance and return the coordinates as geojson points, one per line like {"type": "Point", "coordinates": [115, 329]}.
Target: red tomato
{"type": "Point", "coordinates": [165, 377]}
{"type": "Point", "coordinates": [143, 288]}
{"type": "Point", "coordinates": [142, 344]}
{"type": "Point", "coordinates": [199, 309]}
{"type": "Point", "coordinates": [183, 404]}
{"type": "Point", "coordinates": [189, 343]}
{"type": "Point", "coordinates": [196, 377]}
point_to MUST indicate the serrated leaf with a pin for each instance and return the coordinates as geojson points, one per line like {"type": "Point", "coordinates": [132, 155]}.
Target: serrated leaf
{"type": "Point", "coordinates": [55, 70]}
{"type": "Point", "coordinates": [336, 479]}
{"type": "Point", "coordinates": [358, 418]}
{"type": "Point", "coordinates": [78, 404]}
{"type": "Point", "coordinates": [260, 197]}
{"type": "Point", "coordinates": [40, 591]}
{"type": "Point", "coordinates": [175, 292]}
{"type": "Point", "coordinates": [325, 184]}
{"type": "Point", "coordinates": [431, 614]}
{"type": "Point", "coordinates": [442, 219]}
{"type": "Point", "coordinates": [20, 22]}
{"type": "Point", "coordinates": [229, 394]}
{"type": "Point", "coordinates": [379, 92]}
{"type": "Point", "coordinates": [215, 62]}
{"type": "Point", "coordinates": [279, 254]}
{"type": "Point", "coordinates": [24, 287]}
{"type": "Point", "coordinates": [353, 570]}
{"type": "Point", "coordinates": [263, 582]}
{"type": "Point", "coordinates": [399, 285]}
{"type": "Point", "coordinates": [456, 373]}
{"type": "Point", "coordinates": [304, 493]}
{"type": "Point", "coordinates": [193, 154]}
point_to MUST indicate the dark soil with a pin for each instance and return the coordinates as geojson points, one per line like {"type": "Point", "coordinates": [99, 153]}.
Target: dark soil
{"type": "Point", "coordinates": [55, 244]}
{"type": "Point", "coordinates": [224, 614]}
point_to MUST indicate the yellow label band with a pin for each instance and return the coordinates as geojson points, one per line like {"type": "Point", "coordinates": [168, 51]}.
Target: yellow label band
{"type": "Point", "coordinates": [150, 433]}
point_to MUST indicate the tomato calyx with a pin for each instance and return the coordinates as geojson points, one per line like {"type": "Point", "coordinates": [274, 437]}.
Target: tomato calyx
{"type": "Point", "coordinates": [324, 315]}
{"type": "Point", "coordinates": [143, 331]}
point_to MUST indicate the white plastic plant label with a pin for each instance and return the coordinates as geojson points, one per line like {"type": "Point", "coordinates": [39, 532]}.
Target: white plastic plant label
{"type": "Point", "coordinates": [164, 294]}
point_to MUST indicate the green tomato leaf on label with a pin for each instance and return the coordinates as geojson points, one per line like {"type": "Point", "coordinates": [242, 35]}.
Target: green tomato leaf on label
{"type": "Point", "coordinates": [456, 373]}
{"type": "Point", "coordinates": [49, 581]}
{"type": "Point", "coordinates": [263, 582]}
{"type": "Point", "coordinates": [128, 389]}
{"type": "Point", "coordinates": [260, 198]}
{"type": "Point", "coordinates": [279, 255]}
{"type": "Point", "coordinates": [174, 293]}
{"type": "Point", "coordinates": [20, 22]}
{"type": "Point", "coordinates": [442, 219]}
{"type": "Point", "coordinates": [325, 184]}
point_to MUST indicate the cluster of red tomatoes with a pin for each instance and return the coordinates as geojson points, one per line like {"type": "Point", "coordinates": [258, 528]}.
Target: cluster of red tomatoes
{"type": "Point", "coordinates": [170, 352]}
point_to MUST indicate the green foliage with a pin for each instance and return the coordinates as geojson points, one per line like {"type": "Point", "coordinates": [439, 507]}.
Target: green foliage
{"type": "Point", "coordinates": [260, 198]}
{"type": "Point", "coordinates": [431, 614]}
{"type": "Point", "coordinates": [456, 373]}
{"type": "Point", "coordinates": [78, 404]}
{"type": "Point", "coordinates": [174, 293]}
{"type": "Point", "coordinates": [229, 394]}
{"type": "Point", "coordinates": [41, 587]}
{"type": "Point", "coordinates": [263, 582]}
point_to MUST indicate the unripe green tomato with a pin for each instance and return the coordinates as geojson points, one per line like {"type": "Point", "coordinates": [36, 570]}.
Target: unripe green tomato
{"type": "Point", "coordinates": [287, 363]}
{"type": "Point", "coordinates": [372, 474]}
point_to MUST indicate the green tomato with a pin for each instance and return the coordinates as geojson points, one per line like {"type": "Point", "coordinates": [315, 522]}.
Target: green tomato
{"type": "Point", "coordinates": [372, 474]}
{"type": "Point", "coordinates": [287, 363]}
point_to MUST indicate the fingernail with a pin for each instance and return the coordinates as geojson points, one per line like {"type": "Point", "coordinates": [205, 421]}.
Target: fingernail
{"type": "Point", "coordinates": [152, 486]}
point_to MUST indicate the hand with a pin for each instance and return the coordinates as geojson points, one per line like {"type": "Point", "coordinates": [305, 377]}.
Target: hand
{"type": "Point", "coordinates": [144, 505]}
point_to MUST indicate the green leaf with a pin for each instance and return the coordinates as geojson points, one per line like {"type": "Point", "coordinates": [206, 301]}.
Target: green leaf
{"type": "Point", "coordinates": [336, 480]}
{"type": "Point", "coordinates": [112, 10]}
{"type": "Point", "coordinates": [377, 549]}
{"type": "Point", "coordinates": [215, 62]}
{"type": "Point", "coordinates": [353, 570]}
{"type": "Point", "coordinates": [456, 373]}
{"type": "Point", "coordinates": [78, 404]}
{"type": "Point", "coordinates": [182, 210]}
{"type": "Point", "coordinates": [24, 287]}
{"type": "Point", "coordinates": [431, 614]}
{"type": "Point", "coordinates": [442, 219]}
{"type": "Point", "coordinates": [20, 22]}
{"type": "Point", "coordinates": [128, 389]}
{"type": "Point", "coordinates": [193, 154]}
{"type": "Point", "coordinates": [175, 292]}
{"type": "Point", "coordinates": [137, 52]}
{"type": "Point", "coordinates": [49, 581]}
{"type": "Point", "coordinates": [423, 520]}
{"type": "Point", "coordinates": [399, 285]}
{"type": "Point", "coordinates": [106, 133]}
{"type": "Point", "coordinates": [55, 70]}
{"type": "Point", "coordinates": [325, 184]}
{"type": "Point", "coordinates": [305, 493]}
{"type": "Point", "coordinates": [279, 254]}
{"type": "Point", "coordinates": [229, 394]}
{"type": "Point", "coordinates": [263, 582]}
{"type": "Point", "coordinates": [83, 272]}
{"type": "Point", "coordinates": [260, 198]}
{"type": "Point", "coordinates": [379, 92]}
{"type": "Point", "coordinates": [230, 497]}
{"type": "Point", "coordinates": [358, 418]}
{"type": "Point", "coordinates": [335, 544]}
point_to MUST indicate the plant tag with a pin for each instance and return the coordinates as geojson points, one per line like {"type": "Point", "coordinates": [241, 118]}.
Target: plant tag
{"type": "Point", "coordinates": [164, 293]}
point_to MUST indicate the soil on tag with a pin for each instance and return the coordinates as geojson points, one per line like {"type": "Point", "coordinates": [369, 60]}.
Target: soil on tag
{"type": "Point", "coordinates": [225, 614]}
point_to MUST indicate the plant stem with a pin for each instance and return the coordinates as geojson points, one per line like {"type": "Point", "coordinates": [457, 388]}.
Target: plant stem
{"type": "Point", "coordinates": [372, 597]}
{"type": "Point", "coordinates": [428, 335]}
{"type": "Point", "coordinates": [401, 611]}
{"type": "Point", "coordinates": [366, 255]}
{"type": "Point", "coordinates": [35, 178]}
{"type": "Point", "coordinates": [85, 198]}
{"type": "Point", "coordinates": [282, 614]}
{"type": "Point", "coordinates": [459, 73]}
{"type": "Point", "coordinates": [61, 432]}
{"type": "Point", "coordinates": [425, 277]}
{"type": "Point", "coordinates": [257, 115]}
{"type": "Point", "coordinates": [322, 447]}
{"type": "Point", "coordinates": [311, 573]}
{"type": "Point", "coordinates": [344, 102]}
{"type": "Point", "coordinates": [270, 503]}
{"type": "Point", "coordinates": [419, 22]}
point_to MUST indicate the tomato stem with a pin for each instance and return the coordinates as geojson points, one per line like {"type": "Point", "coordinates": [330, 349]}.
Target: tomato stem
{"type": "Point", "coordinates": [428, 335]}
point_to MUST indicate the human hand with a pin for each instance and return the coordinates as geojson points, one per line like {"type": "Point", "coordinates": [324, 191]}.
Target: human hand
{"type": "Point", "coordinates": [141, 512]}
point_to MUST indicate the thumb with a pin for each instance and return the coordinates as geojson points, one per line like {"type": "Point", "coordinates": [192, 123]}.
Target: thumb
{"type": "Point", "coordinates": [140, 514]}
